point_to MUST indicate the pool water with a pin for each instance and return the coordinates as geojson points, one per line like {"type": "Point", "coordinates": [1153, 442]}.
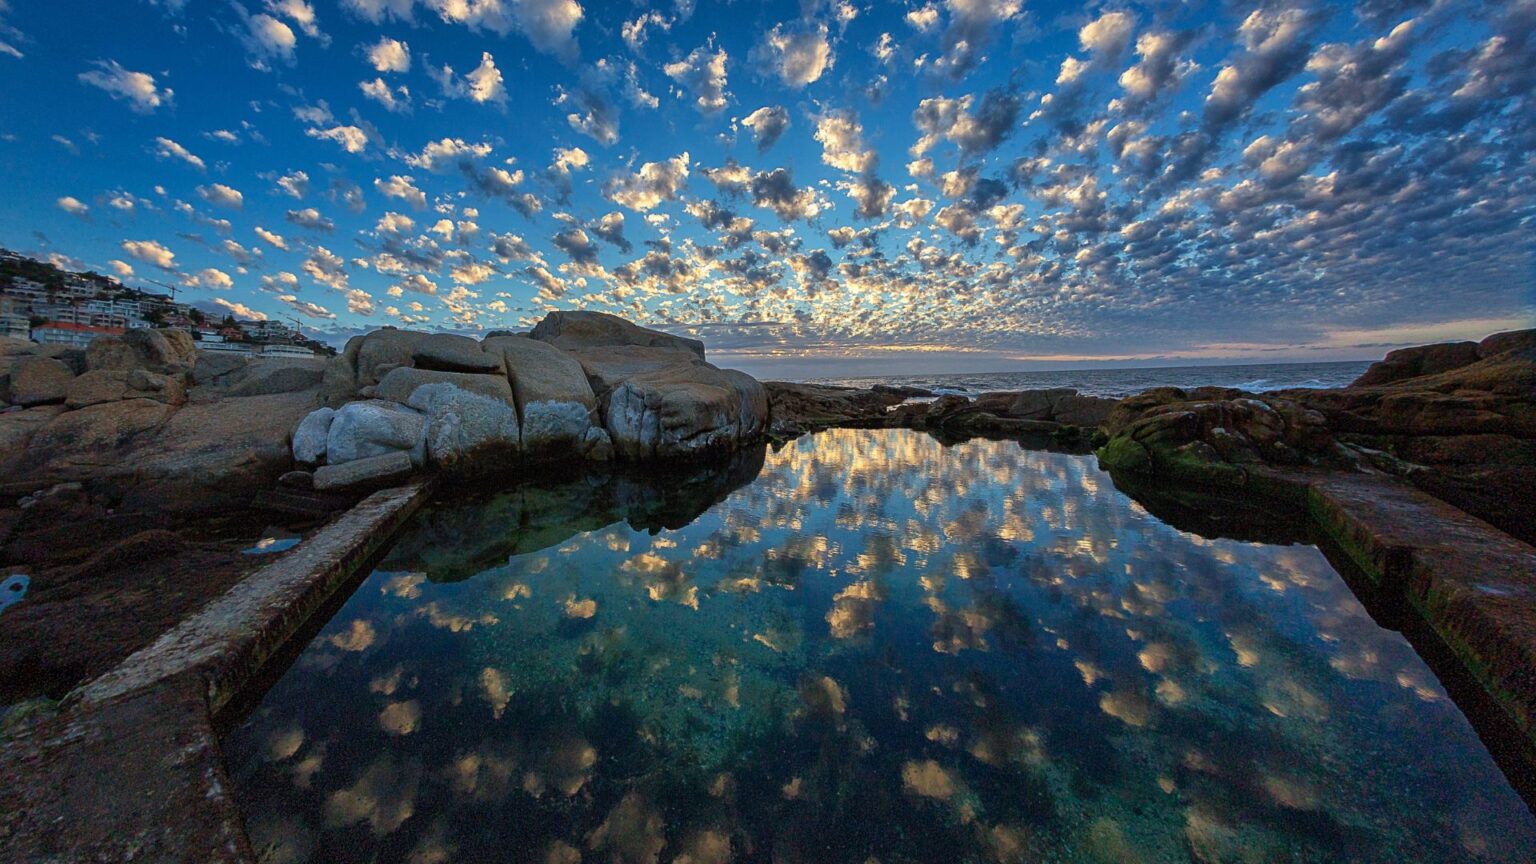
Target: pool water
{"type": "Point", "coordinates": [866, 647]}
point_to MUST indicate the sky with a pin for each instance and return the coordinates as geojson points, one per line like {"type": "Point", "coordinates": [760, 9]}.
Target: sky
{"type": "Point", "coordinates": [844, 187]}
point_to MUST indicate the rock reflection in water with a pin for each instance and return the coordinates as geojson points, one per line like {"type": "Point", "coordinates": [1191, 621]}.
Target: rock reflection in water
{"type": "Point", "coordinates": [878, 649]}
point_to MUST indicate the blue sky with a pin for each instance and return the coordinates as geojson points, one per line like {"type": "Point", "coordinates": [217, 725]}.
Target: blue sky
{"type": "Point", "coordinates": [848, 186]}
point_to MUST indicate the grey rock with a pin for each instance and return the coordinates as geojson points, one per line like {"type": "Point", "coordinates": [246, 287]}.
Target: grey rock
{"type": "Point", "coordinates": [364, 429]}
{"type": "Point", "coordinates": [156, 350]}
{"type": "Point", "coordinates": [369, 472]}
{"type": "Point", "coordinates": [311, 436]}
{"type": "Point", "coordinates": [399, 384]}
{"type": "Point", "coordinates": [381, 347]}
{"type": "Point", "coordinates": [577, 330]}
{"type": "Point", "coordinates": [462, 425]}
{"type": "Point", "coordinates": [265, 377]}
{"type": "Point", "coordinates": [555, 402]}
{"type": "Point", "coordinates": [39, 381]}
{"type": "Point", "coordinates": [212, 367]}
{"type": "Point", "coordinates": [447, 352]}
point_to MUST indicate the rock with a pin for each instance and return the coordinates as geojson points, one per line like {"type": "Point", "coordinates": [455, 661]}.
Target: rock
{"type": "Point", "coordinates": [214, 456]}
{"type": "Point", "coordinates": [575, 331]}
{"type": "Point", "coordinates": [401, 383]}
{"type": "Point", "coordinates": [555, 403]}
{"type": "Point", "coordinates": [799, 408]}
{"type": "Point", "coordinates": [1085, 411]}
{"type": "Point", "coordinates": [296, 480]}
{"type": "Point", "coordinates": [464, 426]}
{"type": "Point", "coordinates": [153, 385]}
{"type": "Point", "coordinates": [383, 347]}
{"type": "Point", "coordinates": [39, 381]}
{"type": "Point", "coordinates": [92, 441]}
{"type": "Point", "coordinates": [659, 402]}
{"type": "Point", "coordinates": [363, 429]}
{"type": "Point", "coordinates": [310, 437]}
{"type": "Point", "coordinates": [212, 367]}
{"type": "Point", "coordinates": [10, 347]}
{"type": "Point", "coordinates": [447, 352]}
{"type": "Point", "coordinates": [265, 377]}
{"type": "Point", "coordinates": [110, 385]}
{"type": "Point", "coordinates": [367, 473]}
{"type": "Point", "coordinates": [16, 431]}
{"type": "Point", "coordinates": [155, 350]}
{"type": "Point", "coordinates": [1513, 340]}
{"type": "Point", "coordinates": [1422, 360]}
{"type": "Point", "coordinates": [905, 391]}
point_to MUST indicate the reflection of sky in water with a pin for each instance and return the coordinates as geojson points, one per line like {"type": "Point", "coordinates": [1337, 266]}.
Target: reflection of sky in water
{"type": "Point", "coordinates": [881, 649]}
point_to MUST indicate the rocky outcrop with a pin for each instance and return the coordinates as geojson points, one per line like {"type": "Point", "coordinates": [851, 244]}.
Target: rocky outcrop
{"type": "Point", "coordinates": [580, 386]}
{"type": "Point", "coordinates": [1457, 421]}
{"type": "Point", "coordinates": [1058, 412]}
{"type": "Point", "coordinates": [585, 331]}
{"type": "Point", "coordinates": [800, 408]}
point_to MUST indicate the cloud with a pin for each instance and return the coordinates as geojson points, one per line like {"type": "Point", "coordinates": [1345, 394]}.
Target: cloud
{"type": "Point", "coordinates": [965, 40]}
{"type": "Point", "coordinates": [390, 55]}
{"type": "Point", "coordinates": [240, 310]}
{"type": "Point", "coordinates": [594, 115]}
{"type": "Point", "coordinates": [703, 75]}
{"type": "Point", "coordinates": [401, 187]}
{"type": "Point", "coordinates": [768, 125]}
{"type": "Point", "coordinates": [951, 119]}
{"type": "Point", "coordinates": [842, 142]}
{"type": "Point", "coordinates": [446, 153]}
{"type": "Point", "coordinates": [1275, 47]}
{"type": "Point", "coordinates": [213, 278]}
{"type": "Point", "coordinates": [300, 13]}
{"type": "Point", "coordinates": [294, 183]}
{"type": "Point", "coordinates": [305, 308]}
{"type": "Point", "coordinates": [776, 190]}
{"type": "Point", "coordinates": [1108, 35]}
{"type": "Point", "coordinates": [311, 219]}
{"type": "Point", "coordinates": [378, 11]}
{"type": "Point", "coordinates": [797, 53]}
{"type": "Point", "coordinates": [151, 252]}
{"type": "Point", "coordinates": [276, 240]}
{"type": "Point", "coordinates": [635, 32]}
{"type": "Point", "coordinates": [220, 195]}
{"type": "Point", "coordinates": [610, 229]}
{"type": "Point", "coordinates": [350, 138]}
{"type": "Point", "coordinates": [397, 100]}
{"type": "Point", "coordinates": [137, 88]}
{"type": "Point", "coordinates": [268, 37]}
{"type": "Point", "coordinates": [165, 148]}
{"type": "Point", "coordinates": [654, 183]}
{"type": "Point", "coordinates": [1159, 68]}
{"type": "Point", "coordinates": [482, 84]}
{"type": "Point", "coordinates": [73, 206]}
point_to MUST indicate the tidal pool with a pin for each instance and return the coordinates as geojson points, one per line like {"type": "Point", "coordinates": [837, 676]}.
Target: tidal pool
{"type": "Point", "coordinates": [867, 647]}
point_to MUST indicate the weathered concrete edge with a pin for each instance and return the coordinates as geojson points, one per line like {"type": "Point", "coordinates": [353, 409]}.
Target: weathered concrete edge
{"type": "Point", "coordinates": [1473, 585]}
{"type": "Point", "coordinates": [230, 639]}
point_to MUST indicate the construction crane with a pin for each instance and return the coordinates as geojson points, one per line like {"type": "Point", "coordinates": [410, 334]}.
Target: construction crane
{"type": "Point", "coordinates": [173, 288]}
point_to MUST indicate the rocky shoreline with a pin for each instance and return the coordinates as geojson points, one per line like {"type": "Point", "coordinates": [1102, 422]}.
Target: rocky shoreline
{"type": "Point", "coordinates": [124, 459]}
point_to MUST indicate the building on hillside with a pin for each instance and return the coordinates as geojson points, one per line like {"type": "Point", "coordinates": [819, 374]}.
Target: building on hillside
{"type": "Point", "coordinates": [15, 318]}
{"type": "Point", "coordinates": [71, 334]}
{"type": "Point", "coordinates": [278, 349]}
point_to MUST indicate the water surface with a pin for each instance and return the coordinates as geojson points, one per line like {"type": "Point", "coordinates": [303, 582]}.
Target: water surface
{"type": "Point", "coordinates": [1119, 383]}
{"type": "Point", "coordinates": [877, 649]}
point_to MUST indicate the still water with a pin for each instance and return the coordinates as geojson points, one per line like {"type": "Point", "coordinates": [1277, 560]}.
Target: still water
{"type": "Point", "coordinates": [866, 647]}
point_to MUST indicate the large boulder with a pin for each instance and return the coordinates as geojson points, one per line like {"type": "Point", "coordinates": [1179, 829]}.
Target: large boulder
{"type": "Point", "coordinates": [577, 331]}
{"type": "Point", "coordinates": [365, 360]}
{"type": "Point", "coordinates": [310, 437]}
{"type": "Point", "coordinates": [268, 376]}
{"type": "Point", "coordinates": [39, 381]}
{"type": "Point", "coordinates": [1420, 360]}
{"type": "Point", "coordinates": [555, 402]}
{"type": "Point", "coordinates": [212, 456]}
{"type": "Point", "coordinates": [399, 384]}
{"type": "Point", "coordinates": [449, 352]}
{"type": "Point", "coordinates": [95, 440]}
{"type": "Point", "coordinates": [171, 351]}
{"type": "Point", "coordinates": [661, 402]}
{"type": "Point", "coordinates": [375, 427]}
{"type": "Point", "coordinates": [464, 427]}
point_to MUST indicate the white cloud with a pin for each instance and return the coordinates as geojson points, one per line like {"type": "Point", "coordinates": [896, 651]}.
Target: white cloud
{"type": "Point", "coordinates": [768, 124]}
{"type": "Point", "coordinates": [310, 218]}
{"type": "Point", "coordinates": [222, 196]}
{"type": "Point", "coordinates": [350, 138]}
{"type": "Point", "coordinates": [842, 142]}
{"type": "Point", "coordinates": [447, 153]}
{"type": "Point", "coordinates": [798, 53]}
{"type": "Point", "coordinates": [482, 84]}
{"type": "Point", "coordinates": [403, 188]}
{"type": "Point", "coordinates": [397, 100]}
{"type": "Point", "coordinates": [240, 310]}
{"type": "Point", "coordinates": [165, 148]}
{"type": "Point", "coordinates": [1108, 34]}
{"type": "Point", "coordinates": [269, 37]}
{"type": "Point", "coordinates": [276, 240]}
{"type": "Point", "coordinates": [150, 252]}
{"type": "Point", "coordinates": [654, 183]}
{"type": "Point", "coordinates": [390, 55]}
{"type": "Point", "coordinates": [214, 278]}
{"type": "Point", "coordinates": [703, 75]}
{"type": "Point", "coordinates": [138, 88]}
{"type": "Point", "coordinates": [73, 206]}
{"type": "Point", "coordinates": [300, 13]}
{"type": "Point", "coordinates": [294, 183]}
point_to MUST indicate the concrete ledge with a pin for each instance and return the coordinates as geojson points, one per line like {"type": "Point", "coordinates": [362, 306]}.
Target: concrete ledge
{"type": "Point", "coordinates": [1473, 585]}
{"type": "Point", "coordinates": [232, 637]}
{"type": "Point", "coordinates": [132, 770]}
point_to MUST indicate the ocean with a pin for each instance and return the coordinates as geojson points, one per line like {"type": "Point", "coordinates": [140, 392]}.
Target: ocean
{"type": "Point", "coordinates": [1118, 383]}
